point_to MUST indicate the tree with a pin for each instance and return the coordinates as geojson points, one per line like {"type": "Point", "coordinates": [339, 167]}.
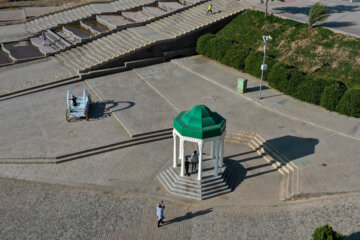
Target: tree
{"type": "Point", "coordinates": [326, 232]}
{"type": "Point", "coordinates": [266, 5]}
{"type": "Point", "coordinates": [317, 14]}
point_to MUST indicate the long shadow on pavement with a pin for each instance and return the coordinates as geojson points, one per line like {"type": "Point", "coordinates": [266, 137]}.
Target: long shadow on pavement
{"type": "Point", "coordinates": [103, 109]}
{"type": "Point", "coordinates": [188, 216]}
{"type": "Point", "coordinates": [306, 10]}
{"type": "Point", "coordinates": [293, 147]}
{"type": "Point", "coordinates": [337, 24]}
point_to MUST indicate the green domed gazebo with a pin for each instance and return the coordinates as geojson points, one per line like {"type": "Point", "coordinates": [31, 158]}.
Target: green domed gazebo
{"type": "Point", "coordinates": [200, 125]}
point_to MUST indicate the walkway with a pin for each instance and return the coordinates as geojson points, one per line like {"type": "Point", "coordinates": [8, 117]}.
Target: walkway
{"type": "Point", "coordinates": [345, 16]}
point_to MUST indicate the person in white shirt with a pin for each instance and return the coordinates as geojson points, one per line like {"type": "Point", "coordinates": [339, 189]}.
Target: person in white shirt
{"type": "Point", "coordinates": [194, 161]}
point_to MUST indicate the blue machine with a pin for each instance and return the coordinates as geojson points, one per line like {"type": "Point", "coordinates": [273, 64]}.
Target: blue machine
{"type": "Point", "coordinates": [77, 107]}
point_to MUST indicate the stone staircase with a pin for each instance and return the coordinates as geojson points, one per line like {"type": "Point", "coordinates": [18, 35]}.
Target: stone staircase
{"type": "Point", "coordinates": [54, 43]}
{"type": "Point", "coordinates": [114, 46]}
{"type": "Point", "coordinates": [271, 155]}
{"type": "Point", "coordinates": [195, 18]}
{"type": "Point", "coordinates": [189, 187]}
{"type": "Point", "coordinates": [87, 11]}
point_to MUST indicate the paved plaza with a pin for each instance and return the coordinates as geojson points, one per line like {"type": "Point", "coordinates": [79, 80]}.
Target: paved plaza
{"type": "Point", "coordinates": [108, 187]}
{"type": "Point", "coordinates": [109, 195]}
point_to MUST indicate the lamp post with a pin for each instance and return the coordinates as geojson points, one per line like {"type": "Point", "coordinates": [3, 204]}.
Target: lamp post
{"type": "Point", "coordinates": [263, 65]}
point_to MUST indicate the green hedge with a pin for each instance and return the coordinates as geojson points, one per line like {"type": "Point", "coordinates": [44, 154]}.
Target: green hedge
{"type": "Point", "coordinates": [326, 232]}
{"type": "Point", "coordinates": [235, 56]}
{"type": "Point", "coordinates": [253, 63]}
{"type": "Point", "coordinates": [331, 95]}
{"type": "Point", "coordinates": [278, 74]}
{"type": "Point", "coordinates": [311, 88]}
{"type": "Point", "coordinates": [350, 103]}
{"type": "Point", "coordinates": [202, 43]}
{"type": "Point", "coordinates": [290, 85]}
{"type": "Point", "coordinates": [217, 47]}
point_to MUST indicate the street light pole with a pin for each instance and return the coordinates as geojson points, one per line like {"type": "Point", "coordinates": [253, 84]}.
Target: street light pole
{"type": "Point", "coordinates": [263, 65]}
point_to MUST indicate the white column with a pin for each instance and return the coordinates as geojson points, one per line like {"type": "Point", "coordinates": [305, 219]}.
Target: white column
{"type": "Point", "coordinates": [212, 149]}
{"type": "Point", "coordinates": [200, 160]}
{"type": "Point", "coordinates": [180, 148]}
{"type": "Point", "coordinates": [182, 157]}
{"type": "Point", "coordinates": [222, 143]}
{"type": "Point", "coordinates": [216, 167]}
{"type": "Point", "coordinates": [174, 155]}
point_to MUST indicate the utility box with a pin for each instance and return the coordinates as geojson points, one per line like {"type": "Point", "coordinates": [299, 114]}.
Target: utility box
{"type": "Point", "coordinates": [242, 84]}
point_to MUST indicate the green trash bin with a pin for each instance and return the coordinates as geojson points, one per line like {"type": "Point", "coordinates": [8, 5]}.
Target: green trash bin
{"type": "Point", "coordinates": [242, 83]}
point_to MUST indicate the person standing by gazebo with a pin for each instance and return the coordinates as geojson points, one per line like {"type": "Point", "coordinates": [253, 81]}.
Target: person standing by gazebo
{"type": "Point", "coordinates": [194, 161]}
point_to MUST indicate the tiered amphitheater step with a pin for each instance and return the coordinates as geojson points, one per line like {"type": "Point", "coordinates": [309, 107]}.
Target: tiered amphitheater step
{"type": "Point", "coordinates": [170, 6]}
{"type": "Point", "coordinates": [193, 19]}
{"type": "Point", "coordinates": [102, 50]}
{"type": "Point", "coordinates": [66, 36]}
{"type": "Point", "coordinates": [75, 14]}
{"type": "Point", "coordinates": [4, 58]}
{"type": "Point", "coordinates": [110, 48]}
{"type": "Point", "coordinates": [54, 43]}
{"type": "Point", "coordinates": [113, 21]}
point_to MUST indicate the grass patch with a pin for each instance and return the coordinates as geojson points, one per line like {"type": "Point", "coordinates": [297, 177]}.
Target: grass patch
{"type": "Point", "coordinates": [319, 52]}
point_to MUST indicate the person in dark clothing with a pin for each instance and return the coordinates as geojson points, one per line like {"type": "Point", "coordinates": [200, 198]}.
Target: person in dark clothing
{"type": "Point", "coordinates": [73, 99]}
{"type": "Point", "coordinates": [187, 165]}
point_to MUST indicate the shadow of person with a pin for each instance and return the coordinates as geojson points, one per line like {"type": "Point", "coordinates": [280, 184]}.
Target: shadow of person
{"type": "Point", "coordinates": [188, 215]}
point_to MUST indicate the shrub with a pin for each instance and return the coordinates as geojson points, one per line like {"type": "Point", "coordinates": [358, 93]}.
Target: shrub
{"type": "Point", "coordinates": [217, 47]}
{"type": "Point", "coordinates": [295, 77]}
{"type": "Point", "coordinates": [326, 232]}
{"type": "Point", "coordinates": [350, 103]}
{"type": "Point", "coordinates": [311, 88]}
{"type": "Point", "coordinates": [253, 63]}
{"type": "Point", "coordinates": [202, 43]}
{"type": "Point", "coordinates": [277, 75]}
{"type": "Point", "coordinates": [331, 95]}
{"type": "Point", "coordinates": [235, 56]}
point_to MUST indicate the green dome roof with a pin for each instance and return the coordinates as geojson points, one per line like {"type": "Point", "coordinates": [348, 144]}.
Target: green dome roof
{"type": "Point", "coordinates": [200, 122]}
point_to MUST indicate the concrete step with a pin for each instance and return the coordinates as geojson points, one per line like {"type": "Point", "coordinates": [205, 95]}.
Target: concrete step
{"type": "Point", "coordinates": [76, 59]}
{"type": "Point", "coordinates": [94, 52]}
{"type": "Point", "coordinates": [83, 57]}
{"type": "Point", "coordinates": [91, 54]}
{"type": "Point", "coordinates": [130, 46]}
{"type": "Point", "coordinates": [38, 88]}
{"type": "Point", "coordinates": [194, 183]}
{"type": "Point", "coordinates": [89, 57]}
{"type": "Point", "coordinates": [183, 191]}
{"type": "Point", "coordinates": [111, 45]}
{"type": "Point", "coordinates": [66, 59]}
{"type": "Point", "coordinates": [117, 42]}
{"type": "Point", "coordinates": [107, 52]}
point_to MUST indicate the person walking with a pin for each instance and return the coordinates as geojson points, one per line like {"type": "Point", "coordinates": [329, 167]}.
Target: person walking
{"type": "Point", "coordinates": [43, 37]}
{"type": "Point", "coordinates": [194, 161]}
{"type": "Point", "coordinates": [160, 212]}
{"type": "Point", "coordinates": [209, 11]}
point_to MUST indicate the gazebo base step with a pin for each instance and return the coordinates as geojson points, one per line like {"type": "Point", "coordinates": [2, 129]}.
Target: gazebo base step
{"type": "Point", "coordinates": [188, 187]}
